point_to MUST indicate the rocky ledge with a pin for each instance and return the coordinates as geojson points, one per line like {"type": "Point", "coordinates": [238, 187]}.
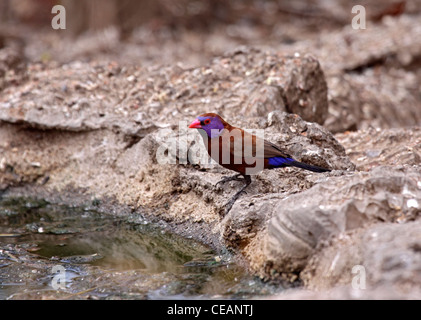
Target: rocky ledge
{"type": "Point", "coordinates": [100, 131]}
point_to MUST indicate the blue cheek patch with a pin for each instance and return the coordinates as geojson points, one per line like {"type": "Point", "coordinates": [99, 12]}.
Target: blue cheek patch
{"type": "Point", "coordinates": [213, 129]}
{"type": "Point", "coordinates": [280, 161]}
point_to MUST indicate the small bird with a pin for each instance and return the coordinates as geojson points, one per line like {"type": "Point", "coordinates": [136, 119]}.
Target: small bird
{"type": "Point", "coordinates": [243, 152]}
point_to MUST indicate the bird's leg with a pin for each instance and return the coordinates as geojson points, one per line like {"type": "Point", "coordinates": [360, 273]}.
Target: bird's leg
{"type": "Point", "coordinates": [229, 205]}
{"type": "Point", "coordinates": [232, 178]}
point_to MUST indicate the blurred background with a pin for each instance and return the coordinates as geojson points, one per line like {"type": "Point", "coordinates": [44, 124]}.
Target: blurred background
{"type": "Point", "coordinates": [373, 75]}
{"type": "Point", "coordinates": [169, 31]}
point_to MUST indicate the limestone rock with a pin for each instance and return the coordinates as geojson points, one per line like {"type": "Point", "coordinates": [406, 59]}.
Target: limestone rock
{"type": "Point", "coordinates": [302, 221]}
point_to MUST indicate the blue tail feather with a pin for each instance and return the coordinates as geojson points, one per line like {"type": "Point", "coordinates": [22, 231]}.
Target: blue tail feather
{"type": "Point", "coordinates": [278, 162]}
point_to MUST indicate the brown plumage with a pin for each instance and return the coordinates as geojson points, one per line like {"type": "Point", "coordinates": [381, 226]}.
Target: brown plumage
{"type": "Point", "coordinates": [240, 151]}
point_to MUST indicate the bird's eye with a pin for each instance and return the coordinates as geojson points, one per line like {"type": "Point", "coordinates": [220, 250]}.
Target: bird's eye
{"type": "Point", "coordinates": [207, 121]}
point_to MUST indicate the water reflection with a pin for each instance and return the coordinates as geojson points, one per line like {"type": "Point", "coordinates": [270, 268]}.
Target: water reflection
{"type": "Point", "coordinates": [107, 257]}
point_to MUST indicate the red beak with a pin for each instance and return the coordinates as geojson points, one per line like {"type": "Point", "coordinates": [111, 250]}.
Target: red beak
{"type": "Point", "coordinates": [195, 124]}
